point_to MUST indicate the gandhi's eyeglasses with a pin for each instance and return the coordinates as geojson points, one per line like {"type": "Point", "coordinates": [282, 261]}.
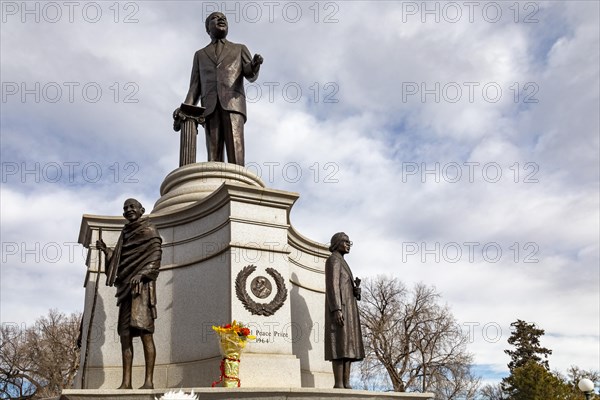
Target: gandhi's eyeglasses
{"type": "Point", "coordinates": [349, 243]}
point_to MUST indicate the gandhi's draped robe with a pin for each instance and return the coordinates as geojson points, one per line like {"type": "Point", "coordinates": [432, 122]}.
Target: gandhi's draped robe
{"type": "Point", "coordinates": [138, 252]}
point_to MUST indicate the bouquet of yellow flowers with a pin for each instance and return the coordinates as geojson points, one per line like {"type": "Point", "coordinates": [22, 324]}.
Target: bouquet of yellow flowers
{"type": "Point", "coordinates": [232, 340]}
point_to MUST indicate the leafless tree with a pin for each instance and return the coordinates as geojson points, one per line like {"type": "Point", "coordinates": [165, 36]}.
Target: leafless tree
{"type": "Point", "coordinates": [41, 360]}
{"type": "Point", "coordinates": [492, 392]}
{"type": "Point", "coordinates": [415, 340]}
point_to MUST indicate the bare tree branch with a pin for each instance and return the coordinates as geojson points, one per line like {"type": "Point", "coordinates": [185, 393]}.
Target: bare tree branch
{"type": "Point", "coordinates": [41, 360]}
{"type": "Point", "coordinates": [415, 340]}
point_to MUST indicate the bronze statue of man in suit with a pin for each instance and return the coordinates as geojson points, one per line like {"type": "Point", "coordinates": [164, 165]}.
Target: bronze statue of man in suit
{"type": "Point", "coordinates": [217, 81]}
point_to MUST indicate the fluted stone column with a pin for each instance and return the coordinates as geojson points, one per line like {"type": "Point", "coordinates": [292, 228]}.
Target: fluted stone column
{"type": "Point", "coordinates": [187, 149]}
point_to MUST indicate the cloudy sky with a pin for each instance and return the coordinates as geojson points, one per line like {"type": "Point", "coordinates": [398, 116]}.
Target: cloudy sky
{"type": "Point", "coordinates": [456, 143]}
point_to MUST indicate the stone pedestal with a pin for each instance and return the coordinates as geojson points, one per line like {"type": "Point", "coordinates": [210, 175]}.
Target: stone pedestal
{"type": "Point", "coordinates": [191, 183]}
{"type": "Point", "coordinates": [223, 233]}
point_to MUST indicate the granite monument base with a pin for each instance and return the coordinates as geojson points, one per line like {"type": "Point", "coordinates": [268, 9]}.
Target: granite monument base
{"type": "Point", "coordinates": [229, 252]}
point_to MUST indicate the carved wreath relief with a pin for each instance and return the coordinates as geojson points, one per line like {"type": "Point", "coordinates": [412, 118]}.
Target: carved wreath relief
{"type": "Point", "coordinates": [261, 287]}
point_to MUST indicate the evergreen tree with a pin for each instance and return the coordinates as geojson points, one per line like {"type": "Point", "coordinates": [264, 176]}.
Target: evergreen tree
{"type": "Point", "coordinates": [533, 381]}
{"type": "Point", "coordinates": [526, 339]}
{"type": "Point", "coordinates": [530, 378]}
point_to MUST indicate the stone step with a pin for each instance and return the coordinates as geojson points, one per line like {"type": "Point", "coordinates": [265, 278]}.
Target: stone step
{"type": "Point", "coordinates": [242, 393]}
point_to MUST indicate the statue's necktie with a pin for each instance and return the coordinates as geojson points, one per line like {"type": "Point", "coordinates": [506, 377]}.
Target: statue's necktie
{"type": "Point", "coordinates": [218, 48]}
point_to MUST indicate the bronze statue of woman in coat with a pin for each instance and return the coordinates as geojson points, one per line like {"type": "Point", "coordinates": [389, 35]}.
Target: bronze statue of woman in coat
{"type": "Point", "coordinates": [343, 337]}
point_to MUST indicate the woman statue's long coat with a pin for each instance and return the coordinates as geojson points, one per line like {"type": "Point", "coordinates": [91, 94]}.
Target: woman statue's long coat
{"type": "Point", "coordinates": [341, 342]}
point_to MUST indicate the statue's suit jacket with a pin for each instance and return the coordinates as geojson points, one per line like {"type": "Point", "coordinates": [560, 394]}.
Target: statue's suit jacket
{"type": "Point", "coordinates": [221, 79]}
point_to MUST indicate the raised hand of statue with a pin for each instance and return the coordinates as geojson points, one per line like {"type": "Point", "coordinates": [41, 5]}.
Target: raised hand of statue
{"type": "Point", "coordinates": [357, 290]}
{"type": "Point", "coordinates": [176, 120]}
{"type": "Point", "coordinates": [101, 245]}
{"type": "Point", "coordinates": [338, 317]}
{"type": "Point", "coordinates": [257, 60]}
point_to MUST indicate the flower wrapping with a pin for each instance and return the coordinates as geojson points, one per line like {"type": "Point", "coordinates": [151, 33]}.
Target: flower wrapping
{"type": "Point", "coordinates": [232, 340]}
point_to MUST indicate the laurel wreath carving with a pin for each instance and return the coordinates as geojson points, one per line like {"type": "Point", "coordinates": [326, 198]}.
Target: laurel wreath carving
{"type": "Point", "coordinates": [264, 309]}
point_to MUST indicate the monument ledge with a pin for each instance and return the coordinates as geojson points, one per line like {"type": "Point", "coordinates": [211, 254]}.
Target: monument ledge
{"type": "Point", "coordinates": [243, 393]}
